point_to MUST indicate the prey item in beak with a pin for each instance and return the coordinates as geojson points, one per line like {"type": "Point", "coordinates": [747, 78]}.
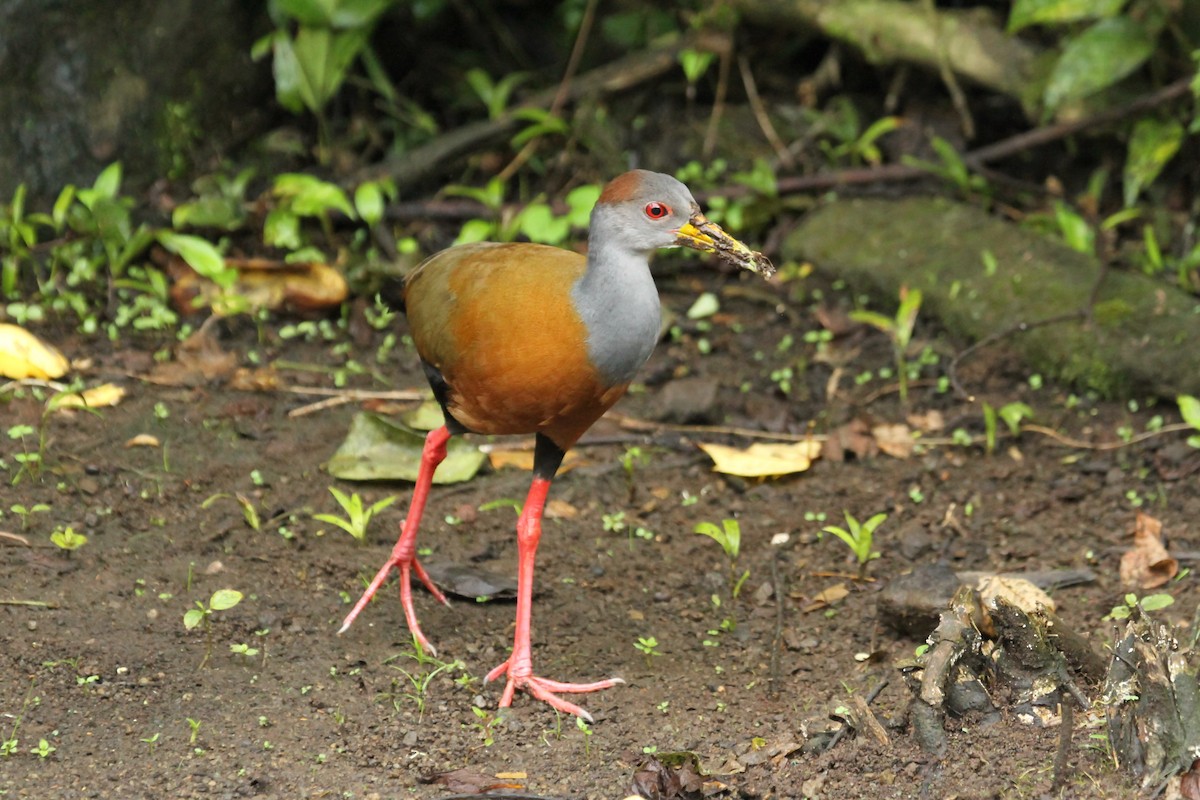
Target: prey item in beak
{"type": "Point", "coordinates": [700, 234]}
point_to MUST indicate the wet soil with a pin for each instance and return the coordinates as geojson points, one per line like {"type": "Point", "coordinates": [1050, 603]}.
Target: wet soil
{"type": "Point", "coordinates": [95, 659]}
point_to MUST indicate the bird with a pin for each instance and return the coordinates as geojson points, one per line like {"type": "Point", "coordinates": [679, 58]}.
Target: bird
{"type": "Point", "coordinates": [522, 338]}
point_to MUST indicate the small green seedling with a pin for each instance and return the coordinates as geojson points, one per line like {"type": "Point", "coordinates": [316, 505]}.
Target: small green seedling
{"type": "Point", "coordinates": [24, 512]}
{"type": "Point", "coordinates": [67, 539]}
{"type": "Point", "coordinates": [899, 329]}
{"type": "Point", "coordinates": [419, 679]}
{"type": "Point", "coordinates": [1189, 408]}
{"type": "Point", "coordinates": [44, 749]}
{"type": "Point", "coordinates": [221, 600]}
{"type": "Point", "coordinates": [194, 727]}
{"type": "Point", "coordinates": [249, 512]}
{"type": "Point", "coordinates": [243, 649]}
{"type": "Point", "coordinates": [151, 741]}
{"type": "Point", "coordinates": [358, 516]}
{"type": "Point", "coordinates": [586, 730]}
{"type": "Point", "coordinates": [484, 725]}
{"type": "Point", "coordinates": [648, 646]}
{"type": "Point", "coordinates": [1151, 602]}
{"type": "Point", "coordinates": [1011, 413]}
{"type": "Point", "coordinates": [729, 536]}
{"type": "Point", "coordinates": [859, 537]}
{"type": "Point", "coordinates": [633, 458]}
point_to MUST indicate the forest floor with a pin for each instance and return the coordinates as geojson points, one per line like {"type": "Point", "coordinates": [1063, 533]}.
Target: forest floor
{"type": "Point", "coordinates": [96, 660]}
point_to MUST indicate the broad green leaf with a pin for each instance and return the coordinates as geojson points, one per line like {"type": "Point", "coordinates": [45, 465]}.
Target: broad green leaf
{"type": "Point", "coordinates": [281, 228]}
{"type": "Point", "coordinates": [369, 202]}
{"type": "Point", "coordinates": [1189, 408]}
{"type": "Point", "coordinates": [288, 78]}
{"type": "Point", "coordinates": [1051, 12]}
{"type": "Point", "coordinates": [581, 200]}
{"type": "Point", "coordinates": [1096, 59]}
{"type": "Point", "coordinates": [200, 255]}
{"type": "Point", "coordinates": [308, 12]}
{"type": "Point", "coordinates": [1153, 144]}
{"type": "Point", "coordinates": [706, 305]}
{"type": "Point", "coordinates": [223, 599]}
{"type": "Point", "coordinates": [1156, 602]}
{"type": "Point", "coordinates": [539, 224]}
{"type": "Point", "coordinates": [192, 618]}
{"type": "Point", "coordinates": [108, 182]}
{"type": "Point", "coordinates": [377, 448]}
{"type": "Point", "coordinates": [311, 197]}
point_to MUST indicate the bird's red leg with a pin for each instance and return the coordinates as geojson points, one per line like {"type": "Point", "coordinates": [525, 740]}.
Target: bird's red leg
{"type": "Point", "coordinates": [519, 666]}
{"type": "Point", "coordinates": [404, 554]}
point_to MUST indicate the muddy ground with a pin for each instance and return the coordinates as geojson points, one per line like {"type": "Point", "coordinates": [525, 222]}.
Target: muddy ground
{"type": "Point", "coordinates": [95, 659]}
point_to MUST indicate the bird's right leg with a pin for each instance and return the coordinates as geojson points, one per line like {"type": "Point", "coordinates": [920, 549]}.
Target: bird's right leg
{"type": "Point", "coordinates": [404, 554]}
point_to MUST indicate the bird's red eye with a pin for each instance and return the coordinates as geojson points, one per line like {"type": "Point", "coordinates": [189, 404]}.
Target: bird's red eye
{"type": "Point", "coordinates": [657, 210]}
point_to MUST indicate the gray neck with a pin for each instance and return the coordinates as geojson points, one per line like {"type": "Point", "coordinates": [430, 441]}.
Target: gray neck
{"type": "Point", "coordinates": [618, 302]}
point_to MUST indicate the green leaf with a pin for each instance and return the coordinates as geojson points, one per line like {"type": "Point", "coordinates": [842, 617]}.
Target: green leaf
{"type": "Point", "coordinates": [1096, 59]}
{"type": "Point", "coordinates": [1156, 602]}
{"type": "Point", "coordinates": [377, 448]}
{"type": "Point", "coordinates": [369, 202]}
{"type": "Point", "coordinates": [108, 182]}
{"type": "Point", "coordinates": [1013, 413]}
{"type": "Point", "coordinates": [1153, 144]}
{"type": "Point", "coordinates": [1051, 12]}
{"type": "Point", "coordinates": [223, 599]}
{"type": "Point", "coordinates": [311, 197]}
{"type": "Point", "coordinates": [581, 200]}
{"type": "Point", "coordinates": [192, 618]}
{"type": "Point", "coordinates": [1189, 408]}
{"type": "Point", "coordinates": [706, 305]}
{"type": "Point", "coordinates": [200, 255]}
{"type": "Point", "coordinates": [281, 228]}
{"type": "Point", "coordinates": [538, 223]}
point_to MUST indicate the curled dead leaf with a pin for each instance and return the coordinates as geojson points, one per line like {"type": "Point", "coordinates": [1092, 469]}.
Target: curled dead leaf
{"type": "Point", "coordinates": [762, 460]}
{"type": "Point", "coordinates": [263, 283]}
{"type": "Point", "coordinates": [1147, 564]}
{"type": "Point", "coordinates": [143, 440]}
{"type": "Point", "coordinates": [895, 440]}
{"type": "Point", "coordinates": [23, 355]}
{"type": "Point", "coordinates": [523, 459]}
{"type": "Point", "coordinates": [828, 597]}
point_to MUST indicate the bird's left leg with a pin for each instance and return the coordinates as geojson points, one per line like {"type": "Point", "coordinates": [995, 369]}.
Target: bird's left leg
{"type": "Point", "coordinates": [519, 665]}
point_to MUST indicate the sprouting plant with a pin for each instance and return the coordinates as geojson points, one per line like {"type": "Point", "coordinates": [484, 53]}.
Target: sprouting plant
{"type": "Point", "coordinates": [9, 745]}
{"type": "Point", "coordinates": [419, 678]}
{"type": "Point", "coordinates": [1189, 408]}
{"type": "Point", "coordinates": [249, 512]}
{"type": "Point", "coordinates": [1151, 602]}
{"type": "Point", "coordinates": [695, 63]}
{"type": "Point", "coordinates": [243, 649]}
{"type": "Point", "coordinates": [613, 522]}
{"type": "Point", "coordinates": [44, 749]}
{"type": "Point", "coordinates": [729, 535]}
{"type": "Point", "coordinates": [859, 537]}
{"type": "Point", "coordinates": [151, 741]}
{"type": "Point", "coordinates": [194, 728]}
{"type": "Point", "coordinates": [648, 646]}
{"type": "Point", "coordinates": [358, 516]}
{"type": "Point", "coordinates": [586, 730]}
{"type": "Point", "coordinates": [633, 458]}
{"type": "Point", "coordinates": [952, 169]}
{"type": "Point", "coordinates": [65, 538]}
{"type": "Point", "coordinates": [24, 512]}
{"type": "Point", "coordinates": [221, 600]}
{"type": "Point", "coordinates": [484, 725]}
{"type": "Point", "coordinates": [1011, 413]}
{"type": "Point", "coordinates": [899, 329]}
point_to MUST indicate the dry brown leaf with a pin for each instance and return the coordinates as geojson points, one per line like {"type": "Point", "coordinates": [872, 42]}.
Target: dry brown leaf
{"type": "Point", "coordinates": [264, 284]}
{"type": "Point", "coordinates": [102, 396]}
{"type": "Point", "coordinates": [23, 355]}
{"type": "Point", "coordinates": [1016, 592]}
{"type": "Point", "coordinates": [198, 360]}
{"type": "Point", "coordinates": [258, 379]}
{"type": "Point", "coordinates": [930, 421]}
{"type": "Point", "coordinates": [762, 460]}
{"type": "Point", "coordinates": [853, 437]}
{"type": "Point", "coordinates": [828, 597]}
{"type": "Point", "coordinates": [561, 509]}
{"type": "Point", "coordinates": [1147, 564]}
{"type": "Point", "coordinates": [895, 440]}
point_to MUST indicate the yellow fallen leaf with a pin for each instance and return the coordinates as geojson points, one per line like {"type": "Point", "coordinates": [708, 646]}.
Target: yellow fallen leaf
{"type": "Point", "coordinates": [561, 509]}
{"type": "Point", "coordinates": [23, 355]}
{"type": "Point", "coordinates": [762, 460]}
{"type": "Point", "coordinates": [828, 597]}
{"type": "Point", "coordinates": [143, 440]}
{"type": "Point", "coordinates": [102, 396]}
{"type": "Point", "coordinates": [523, 459]}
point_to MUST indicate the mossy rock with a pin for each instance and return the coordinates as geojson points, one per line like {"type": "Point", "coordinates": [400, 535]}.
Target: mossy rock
{"type": "Point", "coordinates": [1143, 335]}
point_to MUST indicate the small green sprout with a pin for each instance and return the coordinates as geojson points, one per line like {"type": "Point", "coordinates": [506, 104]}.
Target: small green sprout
{"type": "Point", "coordinates": [358, 516]}
{"type": "Point", "coordinates": [859, 537]}
{"type": "Point", "coordinates": [648, 646]}
{"type": "Point", "coordinates": [1151, 602]}
{"type": "Point", "coordinates": [586, 730]}
{"type": "Point", "coordinates": [485, 723]}
{"type": "Point", "coordinates": [221, 600]}
{"type": "Point", "coordinates": [249, 512]}
{"type": "Point", "coordinates": [67, 539]}
{"type": "Point", "coordinates": [43, 749]}
{"type": "Point", "coordinates": [1189, 409]}
{"type": "Point", "coordinates": [243, 649]}
{"type": "Point", "coordinates": [151, 741]}
{"type": "Point", "coordinates": [24, 512]}
{"type": "Point", "coordinates": [729, 536]}
{"type": "Point", "coordinates": [899, 329]}
{"type": "Point", "coordinates": [194, 727]}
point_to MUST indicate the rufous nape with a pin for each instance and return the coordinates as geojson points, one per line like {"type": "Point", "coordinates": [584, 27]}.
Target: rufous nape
{"type": "Point", "coordinates": [531, 339]}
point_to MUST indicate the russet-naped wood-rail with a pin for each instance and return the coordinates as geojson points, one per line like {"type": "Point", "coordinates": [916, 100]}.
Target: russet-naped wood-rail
{"type": "Point", "coordinates": [526, 338]}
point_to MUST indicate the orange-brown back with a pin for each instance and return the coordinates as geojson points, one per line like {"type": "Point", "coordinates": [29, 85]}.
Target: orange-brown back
{"type": "Point", "coordinates": [498, 322]}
